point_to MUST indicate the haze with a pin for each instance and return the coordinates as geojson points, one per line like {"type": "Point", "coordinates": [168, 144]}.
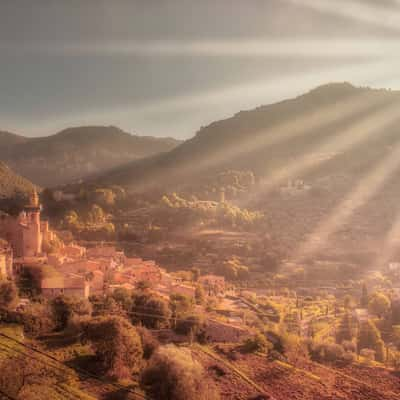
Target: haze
{"type": "Point", "coordinates": [165, 68]}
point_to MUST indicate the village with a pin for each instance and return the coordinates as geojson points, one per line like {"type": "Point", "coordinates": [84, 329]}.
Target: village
{"type": "Point", "coordinates": [286, 323]}
{"type": "Point", "coordinates": [79, 272]}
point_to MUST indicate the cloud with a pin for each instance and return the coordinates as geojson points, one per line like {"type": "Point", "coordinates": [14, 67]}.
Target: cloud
{"type": "Point", "coordinates": [290, 47]}
{"type": "Point", "coordinates": [384, 17]}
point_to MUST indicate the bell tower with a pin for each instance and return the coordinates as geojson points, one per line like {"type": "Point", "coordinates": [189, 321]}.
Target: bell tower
{"type": "Point", "coordinates": [32, 236]}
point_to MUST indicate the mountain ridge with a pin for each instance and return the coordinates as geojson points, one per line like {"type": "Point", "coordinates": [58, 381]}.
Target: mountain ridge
{"type": "Point", "coordinates": [239, 141]}
{"type": "Point", "coordinates": [77, 152]}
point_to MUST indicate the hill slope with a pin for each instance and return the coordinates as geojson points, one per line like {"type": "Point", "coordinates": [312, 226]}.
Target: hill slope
{"type": "Point", "coordinates": [76, 153]}
{"type": "Point", "coordinates": [14, 190]}
{"type": "Point", "coordinates": [338, 143]}
{"type": "Point", "coordinates": [264, 138]}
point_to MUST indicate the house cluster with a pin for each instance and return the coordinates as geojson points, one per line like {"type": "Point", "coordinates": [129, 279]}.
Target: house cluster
{"type": "Point", "coordinates": [78, 271]}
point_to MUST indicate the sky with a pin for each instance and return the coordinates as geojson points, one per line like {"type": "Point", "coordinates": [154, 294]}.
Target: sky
{"type": "Point", "coordinates": [168, 67]}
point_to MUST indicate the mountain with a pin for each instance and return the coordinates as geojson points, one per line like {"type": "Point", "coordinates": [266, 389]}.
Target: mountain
{"type": "Point", "coordinates": [332, 151]}
{"type": "Point", "coordinates": [268, 137]}
{"type": "Point", "coordinates": [76, 153]}
{"type": "Point", "coordinates": [14, 190]}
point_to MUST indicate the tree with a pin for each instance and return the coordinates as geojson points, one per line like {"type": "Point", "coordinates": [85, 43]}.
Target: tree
{"type": "Point", "coordinates": [348, 302]}
{"type": "Point", "coordinates": [364, 296]}
{"type": "Point", "coordinates": [199, 294]}
{"type": "Point", "coordinates": [190, 325]}
{"type": "Point", "coordinates": [8, 294]}
{"type": "Point", "coordinates": [71, 221]}
{"type": "Point", "coordinates": [172, 374]}
{"type": "Point", "coordinates": [396, 312]}
{"type": "Point", "coordinates": [370, 338]}
{"type": "Point", "coordinates": [256, 343]}
{"type": "Point", "coordinates": [96, 215]}
{"type": "Point", "coordinates": [180, 304]}
{"type": "Point", "coordinates": [345, 329]}
{"type": "Point", "coordinates": [233, 270]}
{"type": "Point", "coordinates": [65, 308]}
{"type": "Point", "coordinates": [150, 310]}
{"type": "Point", "coordinates": [149, 343]}
{"type": "Point", "coordinates": [379, 304]}
{"type": "Point", "coordinates": [196, 274]}
{"type": "Point", "coordinates": [116, 343]}
{"type": "Point", "coordinates": [38, 319]}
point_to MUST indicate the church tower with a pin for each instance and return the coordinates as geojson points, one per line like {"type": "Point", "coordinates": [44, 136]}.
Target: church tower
{"type": "Point", "coordinates": [32, 236]}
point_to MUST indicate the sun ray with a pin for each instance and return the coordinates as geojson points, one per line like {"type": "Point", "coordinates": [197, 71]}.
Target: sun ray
{"type": "Point", "coordinates": [357, 11]}
{"type": "Point", "coordinates": [366, 188]}
{"type": "Point", "coordinates": [343, 141]}
{"type": "Point", "coordinates": [390, 245]}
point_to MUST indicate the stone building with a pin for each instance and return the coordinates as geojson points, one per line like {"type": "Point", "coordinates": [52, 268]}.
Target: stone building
{"type": "Point", "coordinates": [26, 232]}
{"type": "Point", "coordinates": [6, 260]}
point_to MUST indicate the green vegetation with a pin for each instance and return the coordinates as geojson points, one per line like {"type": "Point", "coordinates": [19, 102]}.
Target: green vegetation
{"type": "Point", "coordinates": [14, 190]}
{"type": "Point", "coordinates": [209, 213]}
{"type": "Point", "coordinates": [8, 294]}
{"type": "Point", "coordinates": [76, 153]}
{"type": "Point", "coordinates": [116, 343]}
{"type": "Point", "coordinates": [370, 338]}
{"type": "Point", "coordinates": [379, 304]}
{"type": "Point", "coordinates": [172, 374]}
{"type": "Point", "coordinates": [67, 310]}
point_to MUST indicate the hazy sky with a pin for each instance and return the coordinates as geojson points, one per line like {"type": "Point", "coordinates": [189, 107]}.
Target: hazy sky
{"type": "Point", "coordinates": [167, 67]}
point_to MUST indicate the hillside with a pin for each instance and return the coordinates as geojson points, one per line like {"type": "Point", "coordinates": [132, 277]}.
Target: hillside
{"type": "Point", "coordinates": [308, 155]}
{"type": "Point", "coordinates": [264, 138]}
{"type": "Point", "coordinates": [76, 153]}
{"type": "Point", "coordinates": [14, 190]}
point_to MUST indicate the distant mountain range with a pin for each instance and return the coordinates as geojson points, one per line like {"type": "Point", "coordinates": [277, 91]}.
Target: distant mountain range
{"type": "Point", "coordinates": [332, 149]}
{"type": "Point", "coordinates": [271, 137]}
{"type": "Point", "coordinates": [76, 153]}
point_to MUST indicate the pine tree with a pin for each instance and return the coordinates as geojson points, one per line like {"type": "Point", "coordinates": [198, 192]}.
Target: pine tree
{"type": "Point", "coordinates": [345, 329]}
{"type": "Point", "coordinates": [364, 296]}
{"type": "Point", "coordinates": [370, 338]}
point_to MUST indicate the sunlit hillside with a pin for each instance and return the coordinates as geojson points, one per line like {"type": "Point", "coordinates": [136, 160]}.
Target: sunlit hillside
{"type": "Point", "coordinates": [76, 153]}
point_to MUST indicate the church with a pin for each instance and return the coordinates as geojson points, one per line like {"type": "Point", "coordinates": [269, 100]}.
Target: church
{"type": "Point", "coordinates": [26, 232]}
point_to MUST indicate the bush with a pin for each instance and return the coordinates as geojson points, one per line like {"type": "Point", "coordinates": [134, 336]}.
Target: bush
{"type": "Point", "coordinates": [150, 310]}
{"type": "Point", "coordinates": [172, 374]}
{"type": "Point", "coordinates": [379, 304]}
{"type": "Point", "coordinates": [189, 324]}
{"type": "Point", "coordinates": [349, 346]}
{"type": "Point", "coordinates": [369, 337]}
{"type": "Point", "coordinates": [38, 320]}
{"type": "Point", "coordinates": [326, 352]}
{"type": "Point", "coordinates": [257, 343]}
{"type": "Point", "coordinates": [65, 308]}
{"type": "Point", "coordinates": [116, 343]}
{"type": "Point", "coordinates": [8, 294]}
{"type": "Point", "coordinates": [149, 343]}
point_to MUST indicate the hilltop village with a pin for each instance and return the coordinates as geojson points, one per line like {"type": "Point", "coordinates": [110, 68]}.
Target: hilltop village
{"type": "Point", "coordinates": [74, 270]}
{"type": "Point", "coordinates": [78, 272]}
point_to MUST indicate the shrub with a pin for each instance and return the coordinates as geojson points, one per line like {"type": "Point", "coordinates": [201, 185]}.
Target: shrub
{"type": "Point", "coordinates": [172, 374]}
{"type": "Point", "coordinates": [349, 346]}
{"type": "Point", "coordinates": [379, 304]}
{"type": "Point", "coordinates": [256, 343]}
{"type": "Point", "coordinates": [8, 294]}
{"type": "Point", "coordinates": [149, 343]}
{"type": "Point", "coordinates": [116, 343]}
{"type": "Point", "coordinates": [38, 320]}
{"type": "Point", "coordinates": [189, 324]}
{"type": "Point", "coordinates": [326, 352]}
{"type": "Point", "coordinates": [345, 331]}
{"type": "Point", "coordinates": [369, 337]}
{"type": "Point", "coordinates": [65, 308]}
{"type": "Point", "coordinates": [150, 310]}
